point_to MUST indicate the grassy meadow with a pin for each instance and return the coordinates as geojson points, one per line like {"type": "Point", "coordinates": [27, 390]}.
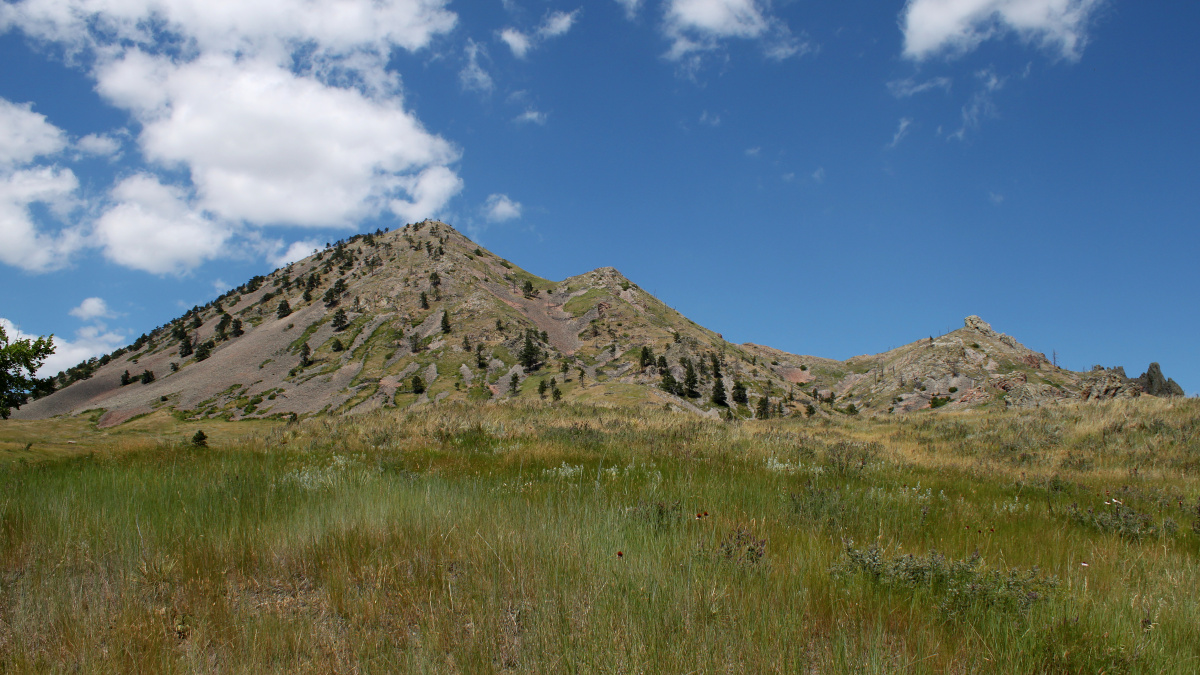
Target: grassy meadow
{"type": "Point", "coordinates": [567, 538]}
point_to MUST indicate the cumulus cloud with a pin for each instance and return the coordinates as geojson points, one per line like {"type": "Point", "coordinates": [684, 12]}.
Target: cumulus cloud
{"type": "Point", "coordinates": [554, 25]}
{"type": "Point", "coordinates": [92, 308]}
{"type": "Point", "coordinates": [298, 250]}
{"type": "Point", "coordinates": [265, 145]}
{"type": "Point", "coordinates": [153, 228]}
{"type": "Point", "coordinates": [22, 244]}
{"type": "Point", "coordinates": [696, 26]}
{"type": "Point", "coordinates": [273, 111]}
{"type": "Point", "coordinates": [26, 135]}
{"type": "Point", "coordinates": [954, 27]}
{"type": "Point", "coordinates": [499, 208]}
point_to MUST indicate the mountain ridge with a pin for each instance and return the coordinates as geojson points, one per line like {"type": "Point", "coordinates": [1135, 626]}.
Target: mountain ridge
{"type": "Point", "coordinates": [349, 327]}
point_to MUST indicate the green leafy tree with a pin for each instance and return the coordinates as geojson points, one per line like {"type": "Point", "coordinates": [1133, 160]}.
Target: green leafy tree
{"type": "Point", "coordinates": [718, 394]}
{"type": "Point", "coordinates": [283, 310]}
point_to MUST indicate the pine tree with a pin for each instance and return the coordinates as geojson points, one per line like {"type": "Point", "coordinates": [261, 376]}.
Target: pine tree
{"type": "Point", "coordinates": [305, 354]}
{"type": "Point", "coordinates": [339, 320]}
{"type": "Point", "coordinates": [646, 358]}
{"type": "Point", "coordinates": [466, 344]}
{"type": "Point", "coordinates": [669, 384]}
{"type": "Point", "coordinates": [424, 300]}
{"type": "Point", "coordinates": [764, 408]}
{"type": "Point", "coordinates": [527, 289]}
{"type": "Point", "coordinates": [739, 393]}
{"type": "Point", "coordinates": [513, 383]}
{"type": "Point", "coordinates": [445, 321]}
{"type": "Point", "coordinates": [716, 366]}
{"type": "Point", "coordinates": [200, 439]}
{"type": "Point", "coordinates": [283, 310]}
{"type": "Point", "coordinates": [718, 394]}
{"type": "Point", "coordinates": [147, 377]}
{"type": "Point", "coordinates": [204, 350]}
{"type": "Point", "coordinates": [530, 354]}
{"type": "Point", "coordinates": [418, 385]}
{"type": "Point", "coordinates": [125, 378]}
{"type": "Point", "coordinates": [689, 380]}
{"type": "Point", "coordinates": [662, 363]}
{"type": "Point", "coordinates": [555, 393]}
{"type": "Point", "coordinates": [434, 280]}
{"type": "Point", "coordinates": [480, 361]}
{"type": "Point", "coordinates": [542, 388]}
{"type": "Point", "coordinates": [185, 347]}
{"type": "Point", "coordinates": [236, 328]}
{"type": "Point", "coordinates": [337, 346]}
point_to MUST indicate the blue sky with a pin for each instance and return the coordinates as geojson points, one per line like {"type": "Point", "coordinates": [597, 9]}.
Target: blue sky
{"type": "Point", "coordinates": [828, 178]}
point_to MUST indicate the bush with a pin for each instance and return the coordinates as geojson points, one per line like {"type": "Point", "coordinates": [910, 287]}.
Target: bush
{"type": "Point", "coordinates": [200, 440]}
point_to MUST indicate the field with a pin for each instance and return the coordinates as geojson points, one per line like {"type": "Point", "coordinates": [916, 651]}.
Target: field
{"type": "Point", "coordinates": [566, 538]}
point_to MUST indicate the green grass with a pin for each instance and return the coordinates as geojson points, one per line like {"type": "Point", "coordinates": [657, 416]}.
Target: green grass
{"type": "Point", "coordinates": [479, 537]}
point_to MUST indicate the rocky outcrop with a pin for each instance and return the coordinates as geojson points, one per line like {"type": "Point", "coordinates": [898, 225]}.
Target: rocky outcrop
{"type": "Point", "coordinates": [1105, 383]}
{"type": "Point", "coordinates": [1153, 382]}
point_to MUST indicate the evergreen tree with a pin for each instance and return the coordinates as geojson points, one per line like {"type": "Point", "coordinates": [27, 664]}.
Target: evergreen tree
{"type": "Point", "coordinates": [764, 408]}
{"type": "Point", "coordinates": [283, 310]}
{"type": "Point", "coordinates": [582, 373]}
{"type": "Point", "coordinates": [200, 439]}
{"type": "Point", "coordinates": [555, 393]}
{"type": "Point", "coordinates": [718, 394]}
{"type": "Point", "coordinates": [689, 380]}
{"type": "Point", "coordinates": [337, 345]}
{"type": "Point", "coordinates": [739, 393]}
{"type": "Point", "coordinates": [434, 280]}
{"type": "Point", "coordinates": [527, 289]}
{"type": "Point", "coordinates": [418, 385]}
{"type": "Point", "coordinates": [530, 354]}
{"type": "Point", "coordinates": [480, 360]}
{"type": "Point", "coordinates": [566, 367]}
{"type": "Point", "coordinates": [305, 355]}
{"type": "Point", "coordinates": [445, 321]}
{"type": "Point", "coordinates": [235, 329]}
{"type": "Point", "coordinates": [542, 388]}
{"type": "Point", "coordinates": [125, 378]}
{"type": "Point", "coordinates": [204, 350]}
{"type": "Point", "coordinates": [414, 343]}
{"type": "Point", "coordinates": [466, 345]}
{"type": "Point", "coordinates": [147, 377]}
{"type": "Point", "coordinates": [424, 300]}
{"type": "Point", "coordinates": [513, 383]}
{"type": "Point", "coordinates": [339, 320]}
{"type": "Point", "coordinates": [662, 363]}
{"type": "Point", "coordinates": [185, 347]}
{"type": "Point", "coordinates": [716, 365]}
{"type": "Point", "coordinates": [669, 384]}
{"type": "Point", "coordinates": [646, 358]}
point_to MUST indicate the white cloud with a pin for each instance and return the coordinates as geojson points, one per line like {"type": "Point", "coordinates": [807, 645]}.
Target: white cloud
{"type": "Point", "coordinates": [473, 77]}
{"type": "Point", "coordinates": [92, 308]}
{"type": "Point", "coordinates": [753, 152]}
{"type": "Point", "coordinates": [517, 41]}
{"type": "Point", "coordinates": [430, 190]}
{"type": "Point", "coordinates": [21, 243]}
{"type": "Point", "coordinates": [101, 145]}
{"type": "Point", "coordinates": [631, 7]}
{"type": "Point", "coordinates": [299, 250]}
{"type": "Point", "coordinates": [819, 175]}
{"type": "Point", "coordinates": [265, 145]}
{"type": "Point", "coordinates": [909, 87]}
{"type": "Point", "coordinates": [695, 26]}
{"type": "Point", "coordinates": [153, 228]}
{"type": "Point", "coordinates": [901, 132]}
{"type": "Point", "coordinates": [89, 341]}
{"type": "Point", "coordinates": [996, 198]}
{"type": "Point", "coordinates": [555, 24]}
{"type": "Point", "coordinates": [710, 119]}
{"type": "Point", "coordinates": [499, 208]}
{"type": "Point", "coordinates": [531, 116]}
{"type": "Point", "coordinates": [953, 27]}
{"type": "Point", "coordinates": [26, 135]}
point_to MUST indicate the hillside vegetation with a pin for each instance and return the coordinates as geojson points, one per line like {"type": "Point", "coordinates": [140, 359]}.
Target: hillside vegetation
{"type": "Point", "coordinates": [562, 537]}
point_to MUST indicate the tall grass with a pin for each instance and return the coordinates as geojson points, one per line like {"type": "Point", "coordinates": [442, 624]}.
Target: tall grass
{"type": "Point", "coordinates": [575, 539]}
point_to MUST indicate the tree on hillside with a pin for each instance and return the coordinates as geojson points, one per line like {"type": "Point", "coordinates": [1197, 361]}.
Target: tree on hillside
{"type": "Point", "coordinates": [764, 408]}
{"type": "Point", "coordinates": [418, 385]}
{"type": "Point", "coordinates": [235, 329]}
{"type": "Point", "coordinates": [716, 366]}
{"type": "Point", "coordinates": [530, 354]}
{"type": "Point", "coordinates": [542, 386]}
{"type": "Point", "coordinates": [445, 321]}
{"type": "Point", "coordinates": [689, 380]}
{"type": "Point", "coordinates": [718, 394]}
{"type": "Point", "coordinates": [527, 289]}
{"type": "Point", "coordinates": [339, 321]}
{"type": "Point", "coordinates": [126, 378]}
{"type": "Point", "coordinates": [283, 310]}
{"type": "Point", "coordinates": [204, 350]}
{"type": "Point", "coordinates": [669, 384]}
{"type": "Point", "coordinates": [739, 393]}
{"type": "Point", "coordinates": [424, 300]}
{"type": "Point", "coordinates": [147, 377]}
{"type": "Point", "coordinates": [434, 280]}
{"type": "Point", "coordinates": [305, 354]}
{"type": "Point", "coordinates": [185, 347]}
{"type": "Point", "coordinates": [647, 357]}
{"type": "Point", "coordinates": [514, 383]}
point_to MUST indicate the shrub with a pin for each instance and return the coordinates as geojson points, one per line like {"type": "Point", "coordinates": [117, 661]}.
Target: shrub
{"type": "Point", "coordinates": [200, 440]}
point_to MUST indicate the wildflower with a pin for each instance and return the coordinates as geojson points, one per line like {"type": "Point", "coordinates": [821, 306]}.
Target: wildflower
{"type": "Point", "coordinates": [620, 554]}
{"type": "Point", "coordinates": [1083, 564]}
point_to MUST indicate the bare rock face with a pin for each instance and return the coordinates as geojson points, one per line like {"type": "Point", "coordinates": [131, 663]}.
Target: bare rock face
{"type": "Point", "coordinates": [977, 324]}
{"type": "Point", "coordinates": [1153, 382]}
{"type": "Point", "coordinates": [1104, 383]}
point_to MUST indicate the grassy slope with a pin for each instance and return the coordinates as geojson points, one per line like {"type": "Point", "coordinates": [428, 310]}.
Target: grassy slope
{"type": "Point", "coordinates": [486, 538]}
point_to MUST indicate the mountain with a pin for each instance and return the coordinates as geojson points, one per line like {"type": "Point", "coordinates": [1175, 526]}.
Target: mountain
{"type": "Point", "coordinates": [422, 314]}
